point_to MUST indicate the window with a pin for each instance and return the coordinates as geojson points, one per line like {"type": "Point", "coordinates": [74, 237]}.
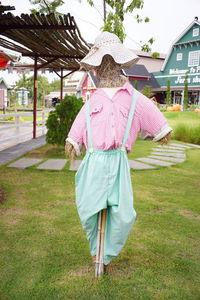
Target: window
{"type": "Point", "coordinates": [179, 56]}
{"type": "Point", "coordinates": [193, 58]}
{"type": "Point", "coordinates": [195, 32]}
{"type": "Point", "coordinates": [89, 83]}
{"type": "Point", "coordinates": [87, 96]}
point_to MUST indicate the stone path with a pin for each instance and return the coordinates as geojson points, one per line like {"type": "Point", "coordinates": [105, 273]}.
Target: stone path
{"type": "Point", "coordinates": [25, 162]}
{"type": "Point", "coordinates": [160, 156]}
{"type": "Point", "coordinates": [53, 164]}
{"type": "Point", "coordinates": [18, 150]}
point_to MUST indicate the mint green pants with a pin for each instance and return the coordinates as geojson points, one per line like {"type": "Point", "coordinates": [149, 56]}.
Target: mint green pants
{"type": "Point", "coordinates": [103, 181]}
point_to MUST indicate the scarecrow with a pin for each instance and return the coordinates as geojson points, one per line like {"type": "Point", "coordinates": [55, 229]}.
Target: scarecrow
{"type": "Point", "coordinates": [108, 125]}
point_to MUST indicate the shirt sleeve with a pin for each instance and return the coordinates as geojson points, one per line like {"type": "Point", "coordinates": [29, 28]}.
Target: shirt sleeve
{"type": "Point", "coordinates": [152, 120]}
{"type": "Point", "coordinates": [77, 130]}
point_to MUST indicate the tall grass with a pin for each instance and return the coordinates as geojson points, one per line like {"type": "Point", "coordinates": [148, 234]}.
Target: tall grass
{"type": "Point", "coordinates": [186, 126]}
{"type": "Point", "coordinates": [187, 134]}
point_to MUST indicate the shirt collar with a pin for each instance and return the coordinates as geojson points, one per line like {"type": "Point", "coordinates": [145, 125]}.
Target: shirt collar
{"type": "Point", "coordinates": [127, 86]}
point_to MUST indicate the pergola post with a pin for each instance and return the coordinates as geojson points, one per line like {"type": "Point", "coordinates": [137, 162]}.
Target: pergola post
{"type": "Point", "coordinates": [61, 85]}
{"type": "Point", "coordinates": [35, 98]}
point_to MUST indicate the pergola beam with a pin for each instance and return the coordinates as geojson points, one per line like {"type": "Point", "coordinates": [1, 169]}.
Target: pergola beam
{"type": "Point", "coordinates": [53, 55]}
{"type": "Point", "coordinates": [37, 27]}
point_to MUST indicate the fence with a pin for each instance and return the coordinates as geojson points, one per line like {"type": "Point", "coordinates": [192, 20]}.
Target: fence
{"type": "Point", "coordinates": [13, 127]}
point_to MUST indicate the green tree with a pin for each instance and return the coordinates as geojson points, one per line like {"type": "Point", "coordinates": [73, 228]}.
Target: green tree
{"type": "Point", "coordinates": [60, 121]}
{"type": "Point", "coordinates": [54, 85]}
{"type": "Point", "coordinates": [27, 82]}
{"type": "Point", "coordinates": [46, 6]}
{"type": "Point", "coordinates": [113, 21]}
{"type": "Point", "coordinates": [147, 91]}
{"type": "Point", "coordinates": [135, 84]}
{"type": "Point", "coordinates": [185, 99]}
{"type": "Point", "coordinates": [168, 94]}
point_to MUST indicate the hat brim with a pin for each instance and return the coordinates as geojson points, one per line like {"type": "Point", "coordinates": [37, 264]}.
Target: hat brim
{"type": "Point", "coordinates": [121, 55]}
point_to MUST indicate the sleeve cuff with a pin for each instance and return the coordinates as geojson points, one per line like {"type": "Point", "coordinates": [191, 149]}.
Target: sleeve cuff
{"type": "Point", "coordinates": [76, 146]}
{"type": "Point", "coordinates": [162, 132]}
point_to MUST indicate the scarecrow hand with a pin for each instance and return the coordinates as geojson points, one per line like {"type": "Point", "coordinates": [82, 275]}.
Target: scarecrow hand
{"type": "Point", "coordinates": [165, 140]}
{"type": "Point", "coordinates": [70, 151]}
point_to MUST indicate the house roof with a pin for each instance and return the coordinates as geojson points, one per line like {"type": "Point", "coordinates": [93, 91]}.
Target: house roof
{"type": "Point", "coordinates": [142, 83]}
{"type": "Point", "coordinates": [55, 40]}
{"type": "Point", "coordinates": [2, 80]}
{"type": "Point", "coordinates": [148, 54]}
{"type": "Point", "coordinates": [195, 21]}
{"type": "Point", "coordinates": [94, 78]}
{"type": "Point", "coordinates": [137, 71]}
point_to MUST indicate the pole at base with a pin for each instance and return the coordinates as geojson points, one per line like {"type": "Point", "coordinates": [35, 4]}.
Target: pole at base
{"type": "Point", "coordinates": [99, 265]}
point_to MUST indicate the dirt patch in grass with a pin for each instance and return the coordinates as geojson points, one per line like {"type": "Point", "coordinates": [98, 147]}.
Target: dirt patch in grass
{"type": "Point", "coordinates": [2, 196]}
{"type": "Point", "coordinates": [157, 210]}
{"type": "Point", "coordinates": [189, 214]}
{"type": "Point", "coordinates": [81, 271]}
{"type": "Point", "coordinates": [70, 201]}
{"type": "Point", "coordinates": [14, 211]}
{"type": "Point", "coordinates": [11, 221]}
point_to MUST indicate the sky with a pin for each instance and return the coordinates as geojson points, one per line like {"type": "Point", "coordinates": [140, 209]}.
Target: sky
{"type": "Point", "coordinates": [168, 19]}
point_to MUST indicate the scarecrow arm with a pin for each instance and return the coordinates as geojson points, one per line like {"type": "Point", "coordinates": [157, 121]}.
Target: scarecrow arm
{"type": "Point", "coordinates": [153, 121]}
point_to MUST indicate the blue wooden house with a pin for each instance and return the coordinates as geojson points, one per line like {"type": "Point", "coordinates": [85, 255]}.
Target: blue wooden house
{"type": "Point", "coordinates": [182, 62]}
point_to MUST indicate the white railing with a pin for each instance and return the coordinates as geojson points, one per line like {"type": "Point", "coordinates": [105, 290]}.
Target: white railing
{"type": "Point", "coordinates": [16, 124]}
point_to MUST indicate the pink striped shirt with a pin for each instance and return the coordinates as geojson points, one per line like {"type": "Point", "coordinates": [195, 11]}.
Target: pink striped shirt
{"type": "Point", "coordinates": [109, 117]}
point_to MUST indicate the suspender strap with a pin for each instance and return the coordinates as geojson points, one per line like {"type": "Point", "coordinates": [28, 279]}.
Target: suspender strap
{"type": "Point", "coordinates": [87, 111]}
{"type": "Point", "coordinates": [130, 117]}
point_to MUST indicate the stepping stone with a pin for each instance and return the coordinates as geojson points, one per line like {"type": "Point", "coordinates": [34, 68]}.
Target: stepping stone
{"type": "Point", "coordinates": [139, 166]}
{"type": "Point", "coordinates": [155, 161]}
{"type": "Point", "coordinates": [181, 146]}
{"type": "Point", "coordinates": [53, 164]}
{"type": "Point", "coordinates": [164, 150]}
{"type": "Point", "coordinates": [74, 165]}
{"type": "Point", "coordinates": [194, 145]}
{"type": "Point", "coordinates": [25, 162]}
{"type": "Point", "coordinates": [178, 160]}
{"type": "Point", "coordinates": [180, 155]}
{"type": "Point", "coordinates": [171, 147]}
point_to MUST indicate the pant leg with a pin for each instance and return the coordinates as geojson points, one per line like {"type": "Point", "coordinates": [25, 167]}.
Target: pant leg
{"type": "Point", "coordinates": [91, 194]}
{"type": "Point", "coordinates": [120, 213]}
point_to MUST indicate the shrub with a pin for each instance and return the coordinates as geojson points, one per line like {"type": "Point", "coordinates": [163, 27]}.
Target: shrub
{"type": "Point", "coordinates": [60, 120]}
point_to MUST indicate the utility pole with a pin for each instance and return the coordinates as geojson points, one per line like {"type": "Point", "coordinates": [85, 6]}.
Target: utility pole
{"type": "Point", "coordinates": [104, 11]}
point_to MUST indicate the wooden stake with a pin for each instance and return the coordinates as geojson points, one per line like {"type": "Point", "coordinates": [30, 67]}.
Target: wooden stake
{"type": "Point", "coordinates": [98, 245]}
{"type": "Point", "coordinates": [99, 266]}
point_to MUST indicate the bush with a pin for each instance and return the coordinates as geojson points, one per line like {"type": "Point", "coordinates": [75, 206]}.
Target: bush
{"type": "Point", "coordinates": [187, 134]}
{"type": "Point", "coordinates": [60, 120]}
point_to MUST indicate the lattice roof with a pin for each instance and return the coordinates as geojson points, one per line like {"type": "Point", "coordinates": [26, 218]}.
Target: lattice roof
{"type": "Point", "coordinates": [55, 40]}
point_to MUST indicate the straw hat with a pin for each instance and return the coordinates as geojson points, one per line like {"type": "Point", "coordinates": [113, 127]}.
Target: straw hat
{"type": "Point", "coordinates": [108, 43]}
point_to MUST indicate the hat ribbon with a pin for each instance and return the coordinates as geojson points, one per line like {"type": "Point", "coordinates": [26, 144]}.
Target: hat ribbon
{"type": "Point", "coordinates": [97, 46]}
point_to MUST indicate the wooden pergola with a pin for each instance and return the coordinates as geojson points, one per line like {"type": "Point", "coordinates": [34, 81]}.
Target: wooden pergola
{"type": "Point", "coordinates": [52, 41]}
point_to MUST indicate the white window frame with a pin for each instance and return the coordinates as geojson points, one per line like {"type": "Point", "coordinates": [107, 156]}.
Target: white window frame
{"type": "Point", "coordinates": [179, 56]}
{"type": "Point", "coordinates": [87, 96]}
{"type": "Point", "coordinates": [192, 60]}
{"type": "Point", "coordinates": [195, 32]}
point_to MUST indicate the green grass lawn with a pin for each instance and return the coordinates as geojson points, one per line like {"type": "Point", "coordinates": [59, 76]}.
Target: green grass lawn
{"type": "Point", "coordinates": [189, 118]}
{"type": "Point", "coordinates": [45, 255]}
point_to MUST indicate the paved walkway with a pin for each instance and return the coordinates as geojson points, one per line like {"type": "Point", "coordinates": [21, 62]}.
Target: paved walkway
{"type": "Point", "coordinates": [160, 156]}
{"type": "Point", "coordinates": [18, 150]}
